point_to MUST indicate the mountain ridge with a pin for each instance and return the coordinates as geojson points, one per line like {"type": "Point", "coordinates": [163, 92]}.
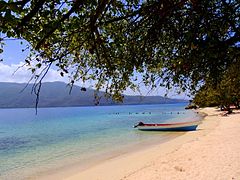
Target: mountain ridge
{"type": "Point", "coordinates": [56, 94]}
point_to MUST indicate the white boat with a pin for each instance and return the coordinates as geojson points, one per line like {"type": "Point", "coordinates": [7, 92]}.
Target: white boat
{"type": "Point", "coordinates": [182, 126]}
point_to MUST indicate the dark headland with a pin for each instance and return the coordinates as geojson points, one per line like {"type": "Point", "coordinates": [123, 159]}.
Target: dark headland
{"type": "Point", "coordinates": [56, 94]}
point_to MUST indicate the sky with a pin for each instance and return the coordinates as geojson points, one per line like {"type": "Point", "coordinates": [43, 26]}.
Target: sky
{"type": "Point", "coordinates": [13, 58]}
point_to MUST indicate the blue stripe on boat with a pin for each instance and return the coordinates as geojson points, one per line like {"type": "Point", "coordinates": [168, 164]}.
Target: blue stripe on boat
{"type": "Point", "coordinates": [186, 128]}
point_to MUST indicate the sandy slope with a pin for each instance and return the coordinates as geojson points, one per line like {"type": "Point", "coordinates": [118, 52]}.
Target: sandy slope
{"type": "Point", "coordinates": [212, 152]}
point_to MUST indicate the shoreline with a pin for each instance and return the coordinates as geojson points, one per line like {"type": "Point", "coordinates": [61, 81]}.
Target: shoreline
{"type": "Point", "coordinates": [139, 164]}
{"type": "Point", "coordinates": [65, 172]}
{"type": "Point", "coordinates": [100, 105]}
{"type": "Point", "coordinates": [58, 140]}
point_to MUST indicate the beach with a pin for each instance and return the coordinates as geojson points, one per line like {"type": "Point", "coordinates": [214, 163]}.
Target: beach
{"type": "Point", "coordinates": [211, 152]}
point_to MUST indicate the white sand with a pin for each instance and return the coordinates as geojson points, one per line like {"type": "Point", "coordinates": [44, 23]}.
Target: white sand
{"type": "Point", "coordinates": [211, 152]}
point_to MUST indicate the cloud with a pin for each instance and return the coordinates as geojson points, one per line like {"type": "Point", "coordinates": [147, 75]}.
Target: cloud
{"type": "Point", "coordinates": [21, 74]}
{"type": "Point", "coordinates": [159, 91]}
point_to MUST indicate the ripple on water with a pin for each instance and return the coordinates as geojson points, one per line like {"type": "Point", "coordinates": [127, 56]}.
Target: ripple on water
{"type": "Point", "coordinates": [8, 143]}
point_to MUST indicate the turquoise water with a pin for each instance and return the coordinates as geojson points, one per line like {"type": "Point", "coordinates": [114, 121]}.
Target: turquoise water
{"type": "Point", "coordinates": [56, 137]}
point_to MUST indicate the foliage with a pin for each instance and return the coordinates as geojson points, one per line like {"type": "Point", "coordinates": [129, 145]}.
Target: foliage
{"type": "Point", "coordinates": [182, 43]}
{"type": "Point", "coordinates": [206, 97]}
{"type": "Point", "coordinates": [226, 93]}
{"type": "Point", "coordinates": [230, 86]}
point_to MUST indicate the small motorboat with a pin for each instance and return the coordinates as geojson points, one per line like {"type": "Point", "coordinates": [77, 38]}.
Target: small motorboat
{"type": "Point", "coordinates": [182, 126]}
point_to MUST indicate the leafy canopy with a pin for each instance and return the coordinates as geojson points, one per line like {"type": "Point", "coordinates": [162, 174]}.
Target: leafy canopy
{"type": "Point", "coordinates": [181, 43]}
{"type": "Point", "coordinates": [226, 93]}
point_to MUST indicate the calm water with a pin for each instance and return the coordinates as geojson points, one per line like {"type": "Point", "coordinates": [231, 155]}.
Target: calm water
{"type": "Point", "coordinates": [56, 137]}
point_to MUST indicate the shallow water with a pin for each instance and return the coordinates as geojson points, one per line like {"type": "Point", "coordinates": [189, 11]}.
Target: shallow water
{"type": "Point", "coordinates": [57, 137]}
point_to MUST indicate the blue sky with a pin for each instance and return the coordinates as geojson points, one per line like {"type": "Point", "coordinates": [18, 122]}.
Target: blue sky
{"type": "Point", "coordinates": [14, 57]}
{"type": "Point", "coordinates": [12, 53]}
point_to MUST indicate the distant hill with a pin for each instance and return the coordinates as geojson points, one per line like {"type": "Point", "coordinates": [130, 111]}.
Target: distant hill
{"type": "Point", "coordinates": [56, 94]}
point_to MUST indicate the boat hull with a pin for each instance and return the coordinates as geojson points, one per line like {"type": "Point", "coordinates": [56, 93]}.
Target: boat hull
{"type": "Point", "coordinates": [187, 126]}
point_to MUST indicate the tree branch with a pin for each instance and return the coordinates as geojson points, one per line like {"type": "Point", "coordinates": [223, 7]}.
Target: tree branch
{"type": "Point", "coordinates": [137, 12]}
{"type": "Point", "coordinates": [100, 8]}
{"type": "Point", "coordinates": [58, 24]}
{"type": "Point", "coordinates": [32, 13]}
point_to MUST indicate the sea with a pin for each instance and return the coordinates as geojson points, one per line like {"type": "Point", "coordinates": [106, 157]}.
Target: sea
{"type": "Point", "coordinates": [33, 145]}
